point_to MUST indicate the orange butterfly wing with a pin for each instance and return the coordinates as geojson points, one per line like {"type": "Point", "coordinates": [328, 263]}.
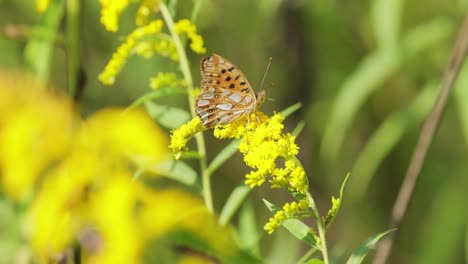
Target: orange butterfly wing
{"type": "Point", "coordinates": [226, 94]}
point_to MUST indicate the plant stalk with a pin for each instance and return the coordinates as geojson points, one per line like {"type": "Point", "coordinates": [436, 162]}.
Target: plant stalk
{"type": "Point", "coordinates": [185, 68]}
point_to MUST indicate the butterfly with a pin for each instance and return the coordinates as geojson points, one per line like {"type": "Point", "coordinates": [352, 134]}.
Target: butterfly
{"type": "Point", "coordinates": [226, 94]}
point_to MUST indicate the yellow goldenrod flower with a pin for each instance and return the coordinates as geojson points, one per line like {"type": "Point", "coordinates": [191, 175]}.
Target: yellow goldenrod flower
{"type": "Point", "coordinates": [162, 47]}
{"type": "Point", "coordinates": [183, 134]}
{"type": "Point", "coordinates": [196, 41]}
{"type": "Point", "coordinates": [195, 259]}
{"type": "Point", "coordinates": [42, 5]}
{"type": "Point", "coordinates": [161, 215]}
{"type": "Point", "coordinates": [110, 12]}
{"type": "Point", "coordinates": [121, 241]}
{"type": "Point", "coordinates": [289, 211]}
{"type": "Point", "coordinates": [36, 128]}
{"type": "Point", "coordinates": [146, 8]}
{"type": "Point", "coordinates": [262, 143]}
{"type": "Point", "coordinates": [119, 58]}
{"type": "Point", "coordinates": [166, 79]}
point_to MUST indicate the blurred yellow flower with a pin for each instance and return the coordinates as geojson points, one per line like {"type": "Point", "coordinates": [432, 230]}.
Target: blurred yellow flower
{"type": "Point", "coordinates": [110, 12]}
{"type": "Point", "coordinates": [119, 58]}
{"type": "Point", "coordinates": [166, 79]}
{"type": "Point", "coordinates": [183, 134]}
{"type": "Point", "coordinates": [42, 5]}
{"type": "Point", "coordinates": [196, 41]}
{"type": "Point", "coordinates": [75, 180]}
{"type": "Point", "coordinates": [145, 10]}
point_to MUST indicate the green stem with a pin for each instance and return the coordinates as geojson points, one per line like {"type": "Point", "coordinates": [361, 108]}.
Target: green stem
{"type": "Point", "coordinates": [320, 227]}
{"type": "Point", "coordinates": [196, 10]}
{"type": "Point", "coordinates": [306, 256]}
{"type": "Point", "coordinates": [72, 10]}
{"type": "Point", "coordinates": [185, 68]}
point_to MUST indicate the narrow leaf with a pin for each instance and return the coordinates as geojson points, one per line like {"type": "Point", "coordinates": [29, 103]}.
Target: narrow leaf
{"type": "Point", "coordinates": [248, 231]}
{"type": "Point", "coordinates": [169, 117]}
{"type": "Point", "coordinates": [160, 92]}
{"type": "Point", "coordinates": [233, 203]}
{"type": "Point", "coordinates": [224, 155]}
{"type": "Point", "coordinates": [296, 227]}
{"type": "Point", "coordinates": [360, 253]}
{"type": "Point", "coordinates": [176, 170]}
{"type": "Point", "coordinates": [336, 205]}
{"type": "Point", "coordinates": [298, 129]}
{"type": "Point", "coordinates": [291, 109]}
{"type": "Point", "coordinates": [369, 76]}
{"type": "Point", "coordinates": [386, 16]}
{"type": "Point", "coordinates": [314, 261]}
{"type": "Point", "coordinates": [386, 137]}
{"type": "Point", "coordinates": [38, 51]}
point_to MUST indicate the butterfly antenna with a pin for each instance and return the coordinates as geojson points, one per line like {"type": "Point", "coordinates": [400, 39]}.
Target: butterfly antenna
{"type": "Point", "coordinates": [266, 71]}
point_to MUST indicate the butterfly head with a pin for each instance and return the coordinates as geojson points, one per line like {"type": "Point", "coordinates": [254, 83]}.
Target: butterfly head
{"type": "Point", "coordinates": [261, 96]}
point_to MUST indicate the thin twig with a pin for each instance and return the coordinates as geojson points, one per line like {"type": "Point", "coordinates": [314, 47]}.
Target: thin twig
{"type": "Point", "coordinates": [425, 139]}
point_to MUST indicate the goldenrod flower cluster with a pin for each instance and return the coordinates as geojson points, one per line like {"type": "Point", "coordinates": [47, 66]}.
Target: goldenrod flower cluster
{"type": "Point", "coordinates": [114, 66]}
{"type": "Point", "coordinates": [166, 79]}
{"type": "Point", "coordinates": [74, 180]}
{"type": "Point", "coordinates": [110, 13]}
{"type": "Point", "coordinates": [336, 203]}
{"type": "Point", "coordinates": [147, 39]}
{"type": "Point", "coordinates": [263, 145]}
{"type": "Point", "coordinates": [41, 5]}
{"type": "Point", "coordinates": [289, 210]}
{"type": "Point", "coordinates": [159, 46]}
{"type": "Point", "coordinates": [196, 41]}
{"type": "Point", "coordinates": [183, 134]}
{"type": "Point", "coordinates": [145, 10]}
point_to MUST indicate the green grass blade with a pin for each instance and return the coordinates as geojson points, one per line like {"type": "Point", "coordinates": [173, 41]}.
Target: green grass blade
{"type": "Point", "coordinates": [386, 137]}
{"type": "Point", "coordinates": [298, 129]}
{"type": "Point", "coordinates": [387, 18]}
{"type": "Point", "coordinates": [314, 261]}
{"type": "Point", "coordinates": [290, 110]}
{"type": "Point", "coordinates": [38, 51]}
{"type": "Point", "coordinates": [249, 235]}
{"type": "Point", "coordinates": [461, 93]}
{"type": "Point", "coordinates": [169, 117]}
{"type": "Point", "coordinates": [360, 253]}
{"type": "Point", "coordinates": [176, 170]}
{"type": "Point", "coordinates": [233, 203]}
{"type": "Point", "coordinates": [227, 152]}
{"type": "Point", "coordinates": [160, 92]}
{"type": "Point", "coordinates": [371, 73]}
{"type": "Point", "coordinates": [296, 227]}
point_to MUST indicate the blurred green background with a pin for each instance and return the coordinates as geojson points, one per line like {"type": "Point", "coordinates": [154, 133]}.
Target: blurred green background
{"type": "Point", "coordinates": [367, 73]}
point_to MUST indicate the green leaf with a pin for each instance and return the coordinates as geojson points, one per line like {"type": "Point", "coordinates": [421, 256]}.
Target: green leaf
{"type": "Point", "coordinates": [306, 256]}
{"type": "Point", "coordinates": [248, 231]}
{"type": "Point", "coordinates": [461, 93]}
{"type": "Point", "coordinates": [291, 109]}
{"type": "Point", "coordinates": [167, 116]}
{"type": "Point", "coordinates": [176, 170]}
{"type": "Point", "coordinates": [38, 51]}
{"type": "Point", "coordinates": [298, 129]}
{"type": "Point", "coordinates": [224, 155]}
{"type": "Point", "coordinates": [360, 253]}
{"type": "Point", "coordinates": [314, 261]}
{"type": "Point", "coordinates": [161, 92]}
{"type": "Point", "coordinates": [386, 137]}
{"type": "Point", "coordinates": [233, 203]}
{"type": "Point", "coordinates": [369, 76]}
{"type": "Point", "coordinates": [387, 19]}
{"type": "Point", "coordinates": [336, 205]}
{"type": "Point", "coordinates": [296, 227]}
